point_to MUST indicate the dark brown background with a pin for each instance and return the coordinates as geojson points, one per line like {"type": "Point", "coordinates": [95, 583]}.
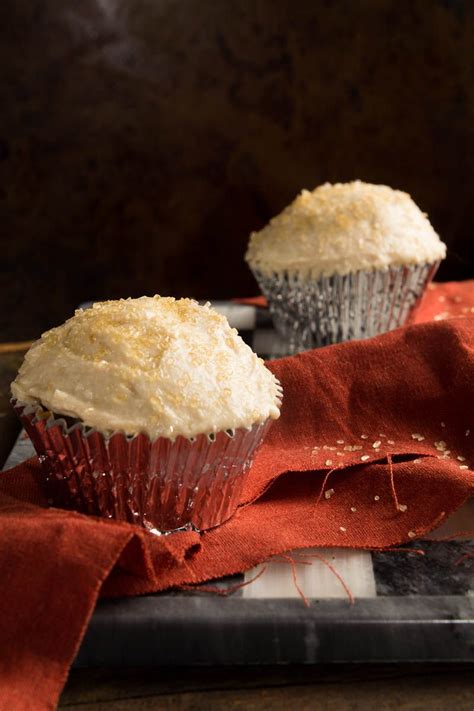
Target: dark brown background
{"type": "Point", "coordinates": [142, 140]}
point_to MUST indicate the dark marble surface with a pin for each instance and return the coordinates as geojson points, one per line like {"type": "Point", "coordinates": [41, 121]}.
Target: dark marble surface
{"type": "Point", "coordinates": [141, 141]}
{"type": "Point", "coordinates": [438, 572]}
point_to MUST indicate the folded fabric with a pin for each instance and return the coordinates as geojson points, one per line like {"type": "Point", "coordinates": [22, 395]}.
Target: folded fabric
{"type": "Point", "coordinates": [374, 447]}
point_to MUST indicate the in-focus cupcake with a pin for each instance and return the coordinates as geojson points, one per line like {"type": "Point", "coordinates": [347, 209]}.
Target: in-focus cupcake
{"type": "Point", "coordinates": [147, 410]}
{"type": "Point", "coordinates": [345, 261]}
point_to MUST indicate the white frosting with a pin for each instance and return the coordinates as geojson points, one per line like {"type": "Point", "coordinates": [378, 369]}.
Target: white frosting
{"type": "Point", "coordinates": [153, 365]}
{"type": "Point", "coordinates": [342, 228]}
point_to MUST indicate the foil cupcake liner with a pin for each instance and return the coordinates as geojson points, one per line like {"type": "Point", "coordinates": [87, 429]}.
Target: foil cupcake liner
{"type": "Point", "coordinates": [309, 313]}
{"type": "Point", "coordinates": [162, 485]}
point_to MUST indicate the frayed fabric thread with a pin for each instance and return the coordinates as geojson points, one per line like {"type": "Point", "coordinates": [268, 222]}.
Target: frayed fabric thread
{"type": "Point", "coordinates": [222, 592]}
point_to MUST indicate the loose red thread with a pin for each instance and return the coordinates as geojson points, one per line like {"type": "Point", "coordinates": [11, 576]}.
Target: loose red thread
{"type": "Point", "coordinates": [338, 576]}
{"type": "Point", "coordinates": [223, 592]}
{"type": "Point", "coordinates": [392, 483]}
{"type": "Point", "coordinates": [464, 557]}
{"type": "Point", "coordinates": [324, 484]}
{"type": "Point", "coordinates": [289, 559]}
{"type": "Point", "coordinates": [452, 536]}
{"type": "Point", "coordinates": [418, 532]}
{"type": "Point", "coordinates": [302, 559]}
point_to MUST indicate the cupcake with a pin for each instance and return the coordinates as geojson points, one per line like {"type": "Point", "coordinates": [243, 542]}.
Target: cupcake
{"type": "Point", "coordinates": [146, 410]}
{"type": "Point", "coordinates": [345, 261]}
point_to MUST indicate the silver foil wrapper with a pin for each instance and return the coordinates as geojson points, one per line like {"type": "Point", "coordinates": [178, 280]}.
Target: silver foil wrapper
{"type": "Point", "coordinates": [309, 313]}
{"type": "Point", "coordinates": [160, 484]}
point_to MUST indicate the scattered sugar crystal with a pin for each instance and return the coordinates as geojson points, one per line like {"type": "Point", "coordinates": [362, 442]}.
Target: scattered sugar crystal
{"type": "Point", "coordinates": [339, 441]}
{"type": "Point", "coordinates": [376, 444]}
{"type": "Point", "coordinates": [402, 507]}
{"type": "Point", "coordinates": [417, 436]}
{"type": "Point", "coordinates": [365, 457]}
{"type": "Point", "coordinates": [463, 466]}
{"type": "Point", "coordinates": [390, 441]}
{"type": "Point", "coordinates": [364, 436]}
{"type": "Point", "coordinates": [328, 493]}
{"type": "Point", "coordinates": [376, 498]}
{"type": "Point", "coordinates": [443, 424]}
{"type": "Point", "coordinates": [328, 462]}
{"type": "Point", "coordinates": [411, 534]}
{"type": "Point", "coordinates": [467, 433]}
{"type": "Point", "coordinates": [353, 509]}
{"type": "Point", "coordinates": [416, 461]}
{"type": "Point", "coordinates": [461, 459]}
{"type": "Point", "coordinates": [341, 528]}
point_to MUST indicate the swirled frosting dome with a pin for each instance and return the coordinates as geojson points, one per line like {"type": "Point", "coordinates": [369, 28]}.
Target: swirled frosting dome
{"type": "Point", "coordinates": [156, 365]}
{"type": "Point", "coordinates": [342, 228]}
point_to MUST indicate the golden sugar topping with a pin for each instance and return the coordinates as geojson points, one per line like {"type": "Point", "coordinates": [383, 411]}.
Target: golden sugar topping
{"type": "Point", "coordinates": [156, 365]}
{"type": "Point", "coordinates": [346, 227]}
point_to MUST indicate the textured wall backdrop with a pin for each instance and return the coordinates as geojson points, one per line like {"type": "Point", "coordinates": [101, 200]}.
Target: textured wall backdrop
{"type": "Point", "coordinates": [142, 140]}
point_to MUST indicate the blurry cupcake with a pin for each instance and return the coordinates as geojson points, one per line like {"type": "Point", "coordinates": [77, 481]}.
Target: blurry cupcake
{"type": "Point", "coordinates": [345, 261]}
{"type": "Point", "coordinates": [147, 410]}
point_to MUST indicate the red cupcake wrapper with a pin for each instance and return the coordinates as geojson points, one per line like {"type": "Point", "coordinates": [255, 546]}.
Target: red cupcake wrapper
{"type": "Point", "coordinates": [159, 484]}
